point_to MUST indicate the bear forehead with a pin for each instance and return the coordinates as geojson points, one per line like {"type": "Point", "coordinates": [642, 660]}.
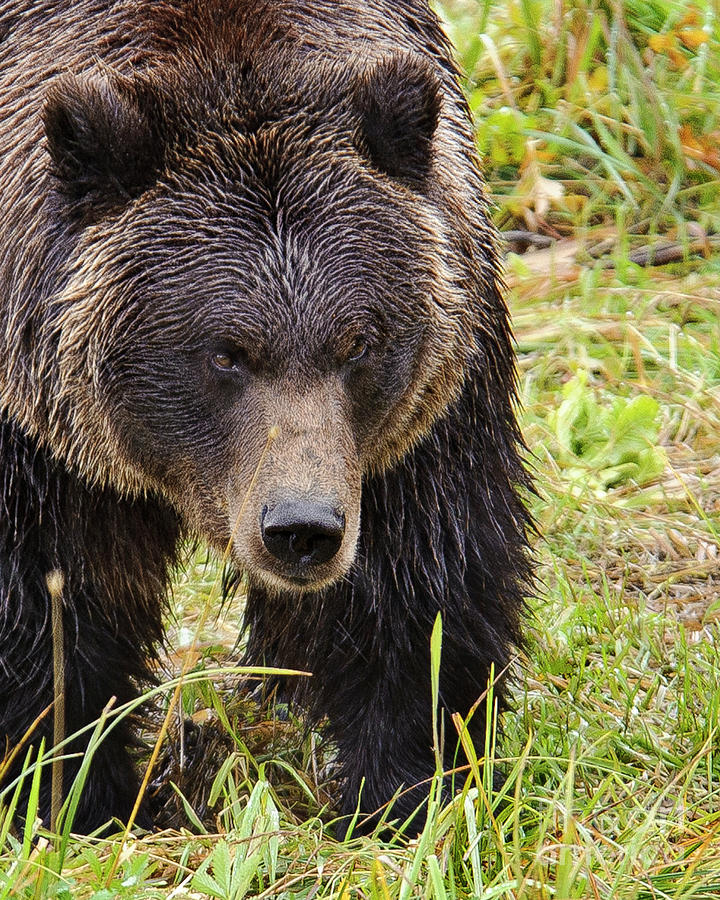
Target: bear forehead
{"type": "Point", "coordinates": [281, 212]}
{"type": "Point", "coordinates": [268, 293]}
{"type": "Point", "coordinates": [264, 257]}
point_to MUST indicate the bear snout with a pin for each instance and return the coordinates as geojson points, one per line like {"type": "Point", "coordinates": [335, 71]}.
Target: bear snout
{"type": "Point", "coordinates": [302, 533]}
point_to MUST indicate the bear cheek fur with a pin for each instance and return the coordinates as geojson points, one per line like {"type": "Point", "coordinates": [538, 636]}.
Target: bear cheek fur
{"type": "Point", "coordinates": [443, 357]}
{"type": "Point", "coordinates": [91, 318]}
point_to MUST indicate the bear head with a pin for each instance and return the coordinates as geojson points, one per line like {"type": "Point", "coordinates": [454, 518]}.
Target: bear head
{"type": "Point", "coordinates": [261, 309]}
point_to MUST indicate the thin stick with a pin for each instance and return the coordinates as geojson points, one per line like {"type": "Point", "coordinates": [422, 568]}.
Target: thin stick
{"type": "Point", "coordinates": [7, 761]}
{"type": "Point", "coordinates": [56, 582]}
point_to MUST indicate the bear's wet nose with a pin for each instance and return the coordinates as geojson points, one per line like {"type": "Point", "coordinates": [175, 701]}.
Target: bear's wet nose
{"type": "Point", "coordinates": [302, 532]}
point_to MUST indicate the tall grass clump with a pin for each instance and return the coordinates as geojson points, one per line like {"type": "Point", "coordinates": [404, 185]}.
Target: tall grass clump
{"type": "Point", "coordinates": [620, 102]}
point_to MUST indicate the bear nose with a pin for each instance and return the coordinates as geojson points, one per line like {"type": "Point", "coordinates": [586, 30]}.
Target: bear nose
{"type": "Point", "coordinates": [302, 532]}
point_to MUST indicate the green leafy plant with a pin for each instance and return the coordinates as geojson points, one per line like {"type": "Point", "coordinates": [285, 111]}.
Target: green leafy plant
{"type": "Point", "coordinates": [607, 444]}
{"type": "Point", "coordinates": [502, 135]}
{"type": "Point", "coordinates": [249, 854]}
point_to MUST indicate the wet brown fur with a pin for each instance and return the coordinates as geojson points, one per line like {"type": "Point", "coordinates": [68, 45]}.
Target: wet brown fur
{"type": "Point", "coordinates": [285, 176]}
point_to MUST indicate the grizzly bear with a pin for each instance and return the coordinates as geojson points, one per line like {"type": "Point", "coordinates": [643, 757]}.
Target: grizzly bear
{"type": "Point", "coordinates": [250, 294]}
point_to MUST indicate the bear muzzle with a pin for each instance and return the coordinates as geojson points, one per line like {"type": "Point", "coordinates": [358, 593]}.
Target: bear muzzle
{"type": "Point", "coordinates": [296, 527]}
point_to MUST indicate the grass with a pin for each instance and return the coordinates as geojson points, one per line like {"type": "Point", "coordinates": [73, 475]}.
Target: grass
{"type": "Point", "coordinates": [620, 102]}
{"type": "Point", "coordinates": [611, 755]}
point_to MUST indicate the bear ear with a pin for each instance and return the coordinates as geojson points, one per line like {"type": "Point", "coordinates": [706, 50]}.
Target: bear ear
{"type": "Point", "coordinates": [103, 139]}
{"type": "Point", "coordinates": [399, 104]}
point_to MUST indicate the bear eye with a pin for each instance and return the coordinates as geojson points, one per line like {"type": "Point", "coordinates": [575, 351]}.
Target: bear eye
{"type": "Point", "coordinates": [358, 349]}
{"type": "Point", "coordinates": [226, 360]}
{"type": "Point", "coordinates": [222, 361]}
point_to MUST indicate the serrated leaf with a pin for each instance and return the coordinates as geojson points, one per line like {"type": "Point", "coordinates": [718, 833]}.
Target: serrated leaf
{"type": "Point", "coordinates": [634, 426]}
{"type": "Point", "coordinates": [203, 881]}
{"type": "Point", "coordinates": [219, 885]}
{"type": "Point", "coordinates": [222, 865]}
